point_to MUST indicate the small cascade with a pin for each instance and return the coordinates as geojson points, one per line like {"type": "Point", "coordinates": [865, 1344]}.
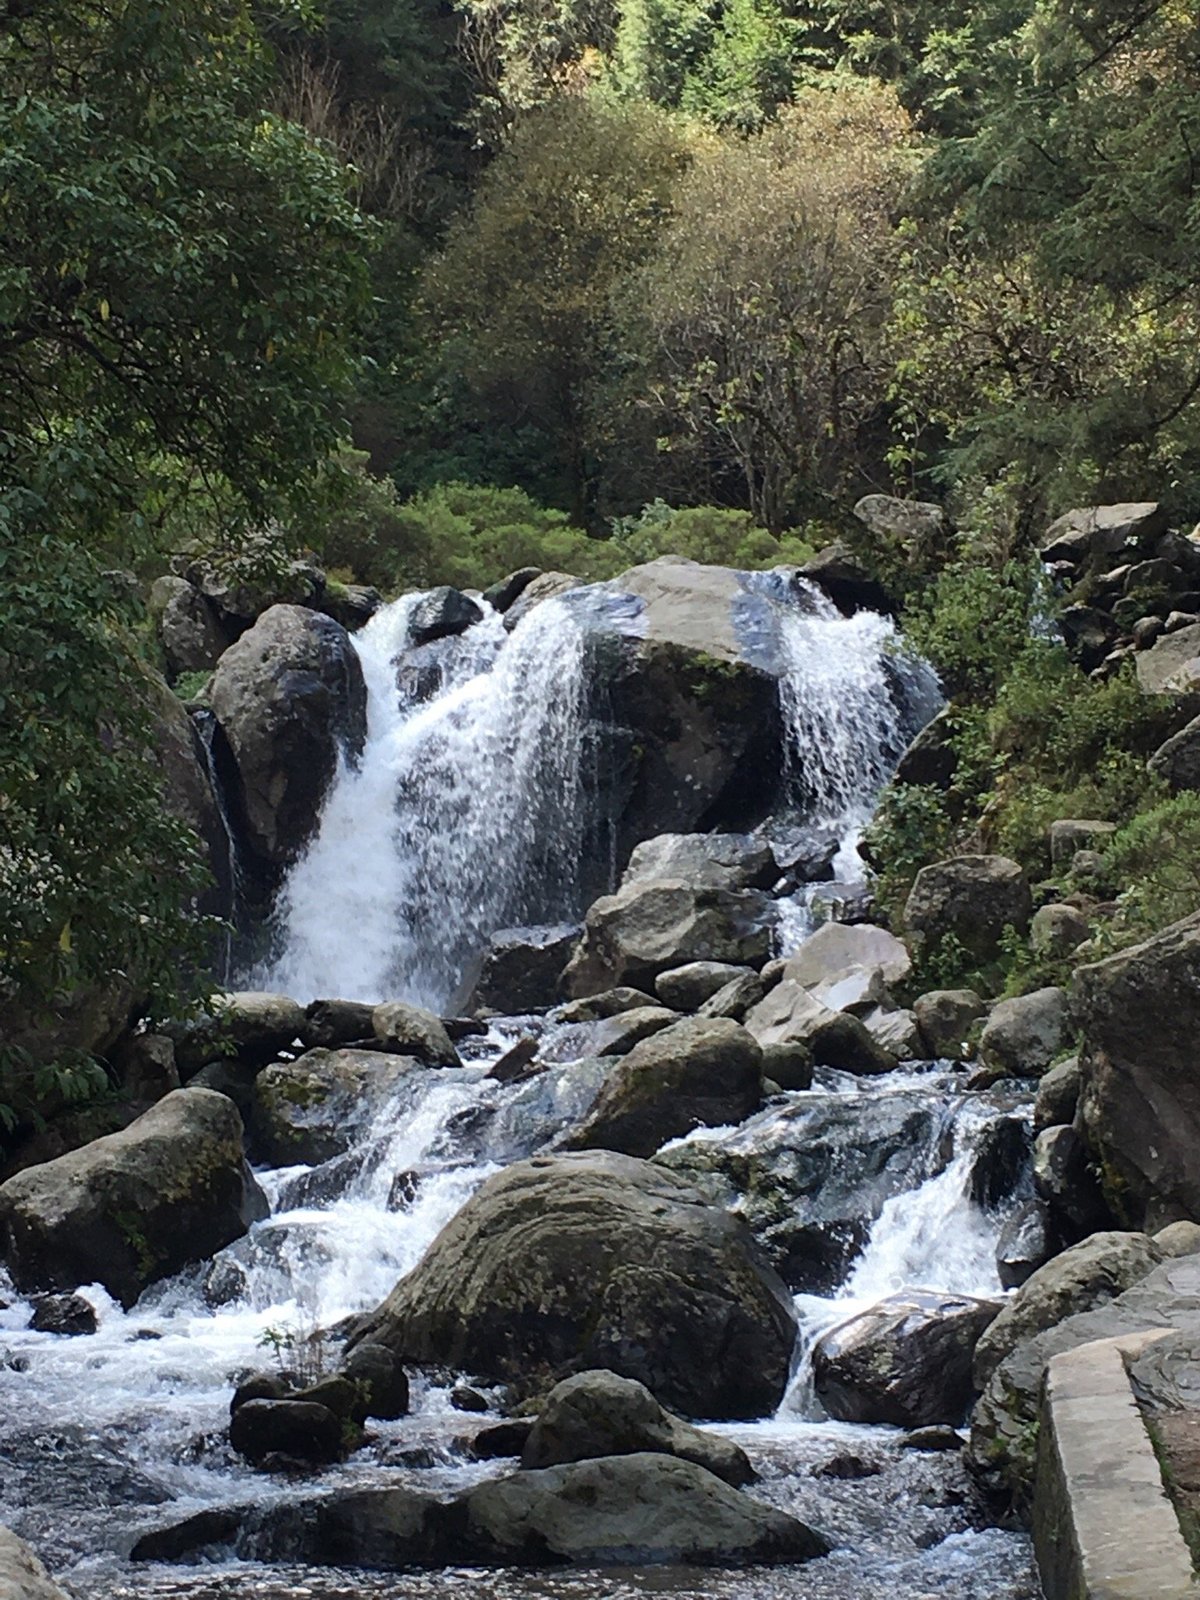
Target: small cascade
{"type": "Point", "coordinates": [466, 812]}
{"type": "Point", "coordinates": [231, 878]}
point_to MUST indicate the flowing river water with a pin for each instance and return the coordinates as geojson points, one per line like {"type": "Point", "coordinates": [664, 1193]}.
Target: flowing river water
{"type": "Point", "coordinates": [469, 811]}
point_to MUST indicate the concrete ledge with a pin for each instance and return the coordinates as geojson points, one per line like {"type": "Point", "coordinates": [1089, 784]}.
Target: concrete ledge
{"type": "Point", "coordinates": [22, 1575]}
{"type": "Point", "coordinates": [1103, 1526]}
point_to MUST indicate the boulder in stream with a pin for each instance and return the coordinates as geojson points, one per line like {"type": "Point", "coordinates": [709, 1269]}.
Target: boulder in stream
{"type": "Point", "coordinates": [22, 1575]}
{"type": "Point", "coordinates": [587, 1260]}
{"type": "Point", "coordinates": [523, 967]}
{"type": "Point", "coordinates": [971, 898]}
{"type": "Point", "coordinates": [309, 1110]}
{"type": "Point", "coordinates": [408, 1030]}
{"type": "Point", "coordinates": [1023, 1035]}
{"type": "Point", "coordinates": [135, 1206]}
{"type": "Point", "coordinates": [703, 860]}
{"type": "Point", "coordinates": [906, 1361]}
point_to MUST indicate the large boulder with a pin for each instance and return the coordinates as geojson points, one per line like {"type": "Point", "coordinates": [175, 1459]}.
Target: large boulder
{"type": "Point", "coordinates": [298, 1429]}
{"type": "Point", "coordinates": [693, 985]}
{"type": "Point", "coordinates": [310, 1110]}
{"type": "Point", "coordinates": [1178, 760]}
{"type": "Point", "coordinates": [1172, 664]}
{"type": "Point", "coordinates": [646, 929]}
{"type": "Point", "coordinates": [441, 614]}
{"type": "Point", "coordinates": [188, 630]}
{"type": "Point", "coordinates": [696, 692]}
{"type": "Point", "coordinates": [1139, 1106]}
{"type": "Point", "coordinates": [1096, 1270]}
{"type": "Point", "coordinates": [600, 1414]}
{"type": "Point", "coordinates": [906, 1361]}
{"type": "Point", "coordinates": [409, 1030]}
{"type": "Point", "coordinates": [704, 861]}
{"type": "Point", "coordinates": [522, 968]}
{"type": "Point", "coordinates": [813, 1177]}
{"type": "Point", "coordinates": [970, 898]}
{"type": "Point", "coordinates": [1004, 1425]}
{"type": "Point", "coordinates": [945, 1018]}
{"type": "Point", "coordinates": [134, 1206]}
{"type": "Point", "coordinates": [290, 699]}
{"type": "Point", "coordinates": [631, 1510]}
{"type": "Point", "coordinates": [1091, 534]}
{"type": "Point", "coordinates": [837, 572]}
{"type": "Point", "coordinates": [1023, 1035]}
{"type": "Point", "coordinates": [249, 1024]}
{"type": "Point", "coordinates": [698, 1073]}
{"type": "Point", "coordinates": [919, 528]}
{"type": "Point", "coordinates": [839, 947]}
{"type": "Point", "coordinates": [567, 1262]}
{"type": "Point", "coordinates": [791, 1014]}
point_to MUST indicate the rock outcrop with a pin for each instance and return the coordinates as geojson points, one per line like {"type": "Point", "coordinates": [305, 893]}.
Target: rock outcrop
{"type": "Point", "coordinates": [569, 1262]}
{"type": "Point", "coordinates": [970, 898]}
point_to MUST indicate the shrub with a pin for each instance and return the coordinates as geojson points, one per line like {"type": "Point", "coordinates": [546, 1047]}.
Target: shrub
{"type": "Point", "coordinates": [710, 534]}
{"type": "Point", "coordinates": [1156, 860]}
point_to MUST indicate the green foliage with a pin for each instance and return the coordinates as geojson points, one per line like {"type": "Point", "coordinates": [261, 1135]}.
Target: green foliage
{"type": "Point", "coordinates": [972, 624]}
{"type": "Point", "coordinates": [1155, 859]}
{"type": "Point", "coordinates": [179, 276]}
{"type": "Point", "coordinates": [707, 534]}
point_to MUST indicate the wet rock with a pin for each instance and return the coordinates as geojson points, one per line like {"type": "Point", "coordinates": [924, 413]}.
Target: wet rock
{"type": "Point", "coordinates": [260, 1386]}
{"type": "Point", "coordinates": [933, 1440]}
{"type": "Point", "coordinates": [846, 581]}
{"type": "Point", "coordinates": [251, 1026]}
{"type": "Point", "coordinates": [522, 970]}
{"type": "Point", "coordinates": [945, 1018]}
{"type": "Point", "coordinates": [310, 1110]}
{"type": "Point", "coordinates": [22, 1575]}
{"type": "Point", "coordinates": [811, 1178]}
{"type": "Point", "coordinates": [972, 898]}
{"type": "Point", "coordinates": [788, 1065]}
{"type": "Point", "coordinates": [906, 1361]}
{"type": "Point", "coordinates": [608, 1003]}
{"type": "Point", "coordinates": [597, 1260]}
{"type": "Point", "coordinates": [646, 929]}
{"type": "Point", "coordinates": [1000, 1157]}
{"type": "Point", "coordinates": [296, 1428]}
{"type": "Point", "coordinates": [1088, 1274]}
{"type": "Point", "coordinates": [373, 1528]}
{"type": "Point", "coordinates": [211, 1530]}
{"type": "Point", "coordinates": [704, 861]}
{"type": "Point", "coordinates": [441, 614]}
{"type": "Point", "coordinates": [689, 987]}
{"type": "Point", "coordinates": [500, 596]}
{"type": "Point", "coordinates": [381, 1380]}
{"type": "Point", "coordinates": [330, 1024]}
{"type": "Point", "coordinates": [1057, 930]}
{"type": "Point", "coordinates": [546, 586]}
{"type": "Point", "coordinates": [63, 1313]}
{"type": "Point", "coordinates": [134, 1206]}
{"type": "Point", "coordinates": [517, 1063]}
{"type": "Point", "coordinates": [631, 1510]}
{"type": "Point", "coordinates": [464, 1398]}
{"type": "Point", "coordinates": [1139, 1106]}
{"type": "Point", "coordinates": [290, 699]}
{"type": "Point", "coordinates": [350, 604]}
{"type": "Point", "coordinates": [931, 758]}
{"type": "Point", "coordinates": [1026, 1243]}
{"type": "Point", "coordinates": [1022, 1036]}
{"type": "Point", "coordinates": [1070, 835]}
{"type": "Point", "coordinates": [1057, 1095]}
{"type": "Point", "coordinates": [409, 1031]}
{"type": "Point", "coordinates": [735, 999]}
{"type": "Point", "coordinates": [1063, 1179]}
{"type": "Point", "coordinates": [696, 1073]}
{"type": "Point", "coordinates": [600, 1414]}
{"type": "Point", "coordinates": [847, 1468]}
{"type": "Point", "coordinates": [501, 1440]}
{"type": "Point", "coordinates": [616, 1036]}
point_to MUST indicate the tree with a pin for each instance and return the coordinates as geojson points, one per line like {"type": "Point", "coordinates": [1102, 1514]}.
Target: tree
{"type": "Point", "coordinates": [761, 314]}
{"type": "Point", "coordinates": [520, 296]}
{"type": "Point", "coordinates": [180, 274]}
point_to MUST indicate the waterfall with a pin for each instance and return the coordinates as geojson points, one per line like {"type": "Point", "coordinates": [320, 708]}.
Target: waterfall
{"type": "Point", "coordinates": [466, 812]}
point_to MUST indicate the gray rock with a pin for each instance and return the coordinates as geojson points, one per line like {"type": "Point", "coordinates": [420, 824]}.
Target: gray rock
{"type": "Point", "coordinates": [931, 758]}
{"type": "Point", "coordinates": [599, 1414]}
{"type": "Point", "coordinates": [1179, 1239]}
{"type": "Point", "coordinates": [788, 1065]}
{"type": "Point", "coordinates": [632, 1510]}
{"type": "Point", "coordinates": [145, 1065]}
{"type": "Point", "coordinates": [523, 968]}
{"type": "Point", "coordinates": [1057, 1095]}
{"type": "Point", "coordinates": [410, 1031]}
{"type": "Point", "coordinates": [1064, 1180]}
{"type": "Point", "coordinates": [1139, 1106]}
{"type": "Point", "coordinates": [381, 1380]}
{"type": "Point", "coordinates": [311, 1109]}
{"type": "Point", "coordinates": [1026, 1243]}
{"type": "Point", "coordinates": [646, 929]}
{"type": "Point", "coordinates": [546, 586]}
{"type": "Point", "coordinates": [441, 614]}
{"type": "Point", "coordinates": [329, 1024]}
{"type": "Point", "coordinates": [188, 629]}
{"type": "Point", "coordinates": [972, 898]}
{"type": "Point", "coordinates": [616, 1036]}
{"type": "Point", "coordinates": [1172, 664]}
{"type": "Point", "coordinates": [1022, 1036]}
{"type": "Point", "coordinates": [22, 1575]}
{"type": "Point", "coordinates": [299, 1429]}
{"type": "Point", "coordinates": [918, 527]}
{"type": "Point", "coordinates": [1071, 834]}
{"type": "Point", "coordinates": [500, 596]}
{"type": "Point", "coordinates": [837, 947]}
{"type": "Point", "coordinates": [846, 581]}
{"type": "Point", "coordinates": [945, 1018]}
{"type": "Point", "coordinates": [239, 600]}
{"type": "Point", "coordinates": [790, 1015]}
{"type": "Point", "coordinates": [250, 1025]}
{"type": "Point", "coordinates": [906, 1361]}
{"type": "Point", "coordinates": [687, 988]}
{"type": "Point", "coordinates": [352, 605]}
{"type": "Point", "coordinates": [1092, 533]}
{"type": "Point", "coordinates": [1003, 1440]}
{"type": "Point", "coordinates": [704, 861]}
{"type": "Point", "coordinates": [1178, 760]}
{"type": "Point", "coordinates": [68, 1314]}
{"type": "Point", "coordinates": [735, 999]}
{"type": "Point", "coordinates": [290, 698]}
{"type": "Point", "coordinates": [590, 1260]}
{"type": "Point", "coordinates": [897, 1033]}
{"type": "Point", "coordinates": [697, 1073]}
{"type": "Point", "coordinates": [134, 1206]}
{"type": "Point", "coordinates": [1088, 1274]}
{"type": "Point", "coordinates": [1058, 930]}
{"type": "Point", "coordinates": [608, 1003]}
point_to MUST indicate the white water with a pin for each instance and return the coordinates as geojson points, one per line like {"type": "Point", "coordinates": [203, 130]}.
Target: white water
{"type": "Point", "coordinates": [465, 813]}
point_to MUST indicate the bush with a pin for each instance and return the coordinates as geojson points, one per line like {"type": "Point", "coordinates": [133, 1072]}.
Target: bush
{"type": "Point", "coordinates": [973, 622]}
{"type": "Point", "coordinates": [710, 534]}
{"type": "Point", "coordinates": [1155, 859]}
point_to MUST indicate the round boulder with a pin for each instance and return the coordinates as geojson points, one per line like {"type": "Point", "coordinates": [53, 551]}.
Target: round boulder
{"type": "Point", "coordinates": [563, 1263]}
{"type": "Point", "coordinates": [971, 898]}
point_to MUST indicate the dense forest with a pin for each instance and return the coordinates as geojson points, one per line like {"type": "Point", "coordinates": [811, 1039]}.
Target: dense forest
{"type": "Point", "coordinates": [434, 291]}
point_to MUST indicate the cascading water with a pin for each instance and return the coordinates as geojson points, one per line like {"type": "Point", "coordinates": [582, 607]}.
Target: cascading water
{"type": "Point", "coordinates": [465, 813]}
